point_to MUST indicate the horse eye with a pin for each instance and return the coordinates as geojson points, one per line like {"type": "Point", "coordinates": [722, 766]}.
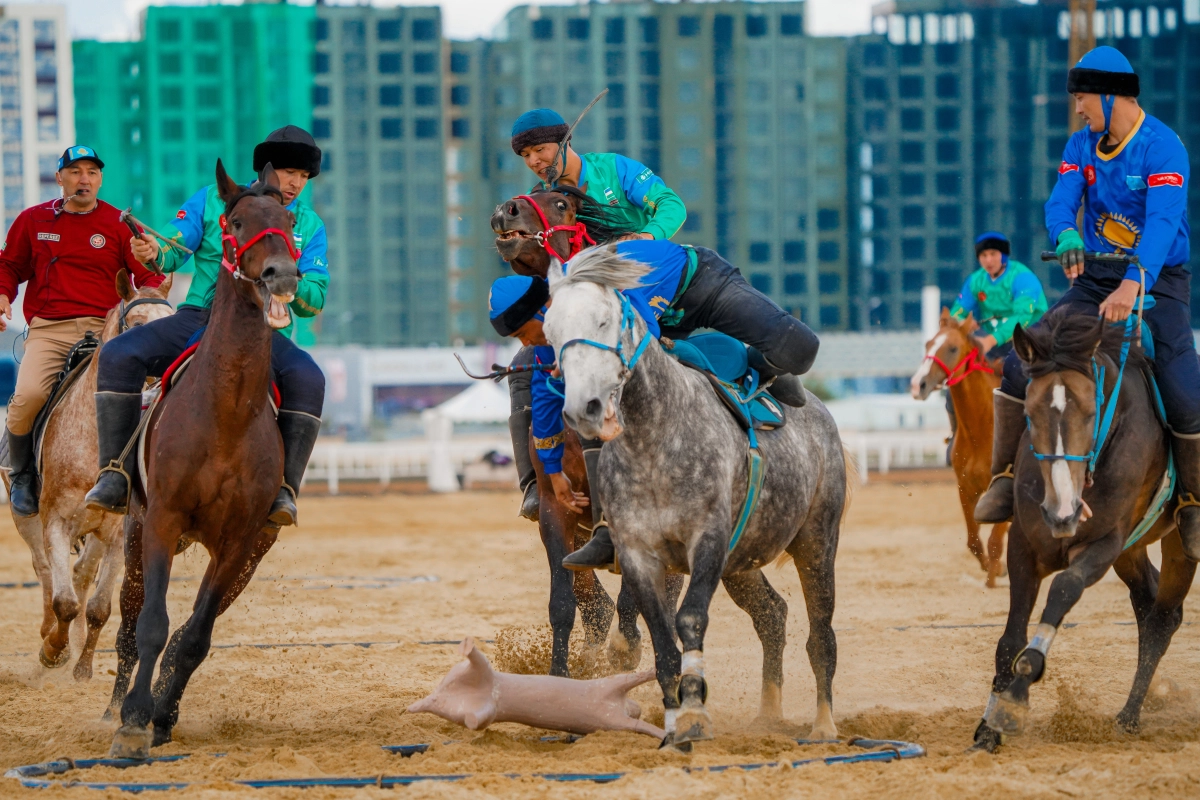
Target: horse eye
{"type": "Point", "coordinates": [562, 206]}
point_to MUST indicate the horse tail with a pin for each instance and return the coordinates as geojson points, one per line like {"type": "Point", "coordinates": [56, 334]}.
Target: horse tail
{"type": "Point", "coordinates": [850, 475]}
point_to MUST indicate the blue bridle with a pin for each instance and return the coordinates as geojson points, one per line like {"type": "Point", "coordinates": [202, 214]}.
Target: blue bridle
{"type": "Point", "coordinates": [628, 323]}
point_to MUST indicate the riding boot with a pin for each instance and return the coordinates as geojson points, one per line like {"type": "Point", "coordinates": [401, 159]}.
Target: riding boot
{"type": "Point", "coordinates": [299, 431]}
{"type": "Point", "coordinates": [518, 428]}
{"type": "Point", "coordinates": [996, 504]}
{"type": "Point", "coordinates": [599, 552]}
{"type": "Point", "coordinates": [1187, 510]}
{"type": "Point", "coordinates": [23, 491]}
{"type": "Point", "coordinates": [117, 416]}
{"type": "Point", "coordinates": [786, 388]}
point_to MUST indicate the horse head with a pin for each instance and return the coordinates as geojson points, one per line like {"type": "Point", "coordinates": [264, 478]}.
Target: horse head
{"type": "Point", "coordinates": [1061, 404]}
{"type": "Point", "coordinates": [137, 306]}
{"type": "Point", "coordinates": [520, 229]}
{"type": "Point", "coordinates": [943, 353]}
{"type": "Point", "coordinates": [596, 335]}
{"type": "Point", "coordinates": [257, 235]}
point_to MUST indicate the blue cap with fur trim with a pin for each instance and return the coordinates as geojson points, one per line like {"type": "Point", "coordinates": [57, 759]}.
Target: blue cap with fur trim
{"type": "Point", "coordinates": [539, 126]}
{"type": "Point", "coordinates": [1107, 72]}
{"type": "Point", "coordinates": [993, 241]}
{"type": "Point", "coordinates": [514, 300]}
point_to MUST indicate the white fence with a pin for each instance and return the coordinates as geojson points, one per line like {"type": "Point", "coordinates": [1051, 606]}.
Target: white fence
{"type": "Point", "coordinates": [886, 450]}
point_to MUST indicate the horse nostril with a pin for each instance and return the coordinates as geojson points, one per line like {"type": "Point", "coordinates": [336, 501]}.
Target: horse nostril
{"type": "Point", "coordinates": [593, 407]}
{"type": "Point", "coordinates": [511, 209]}
{"type": "Point", "coordinates": [267, 274]}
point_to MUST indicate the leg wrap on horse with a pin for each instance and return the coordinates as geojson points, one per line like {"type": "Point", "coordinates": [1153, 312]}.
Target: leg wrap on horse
{"type": "Point", "coordinates": [299, 431]}
{"type": "Point", "coordinates": [1187, 510]}
{"type": "Point", "coordinates": [117, 417]}
{"type": "Point", "coordinates": [520, 397]}
{"type": "Point", "coordinates": [23, 491]}
{"type": "Point", "coordinates": [598, 553]}
{"type": "Point", "coordinates": [996, 505]}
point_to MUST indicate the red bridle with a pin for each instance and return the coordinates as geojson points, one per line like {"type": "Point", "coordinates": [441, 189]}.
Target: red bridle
{"type": "Point", "coordinates": [578, 231]}
{"type": "Point", "coordinates": [973, 362]}
{"type": "Point", "coordinates": [232, 251]}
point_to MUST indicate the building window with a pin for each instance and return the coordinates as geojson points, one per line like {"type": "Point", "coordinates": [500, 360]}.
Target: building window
{"type": "Point", "coordinates": [949, 216]}
{"type": "Point", "coordinates": [830, 316]}
{"type": "Point", "coordinates": [648, 62]}
{"type": "Point", "coordinates": [616, 96]}
{"type": "Point", "coordinates": [651, 129]}
{"type": "Point", "coordinates": [799, 92]}
{"type": "Point", "coordinates": [320, 96]}
{"type": "Point", "coordinates": [912, 87]}
{"type": "Point", "coordinates": [168, 30]}
{"type": "Point", "coordinates": [460, 63]}
{"type": "Point", "coordinates": [947, 151]}
{"type": "Point", "coordinates": [791, 25]}
{"type": "Point", "coordinates": [912, 184]}
{"type": "Point", "coordinates": [460, 128]}
{"type": "Point", "coordinates": [389, 63]}
{"type": "Point", "coordinates": [425, 95]}
{"type": "Point", "coordinates": [947, 86]}
{"type": "Point", "coordinates": [688, 26]}
{"type": "Point", "coordinates": [910, 55]}
{"type": "Point", "coordinates": [692, 223]}
{"type": "Point", "coordinates": [650, 96]}
{"type": "Point", "coordinates": [208, 64]}
{"type": "Point", "coordinates": [946, 54]}
{"type": "Point", "coordinates": [169, 63]}
{"type": "Point", "coordinates": [912, 216]}
{"type": "Point", "coordinates": [795, 283]}
{"type": "Point", "coordinates": [881, 282]}
{"type": "Point", "coordinates": [880, 215]}
{"type": "Point", "coordinates": [543, 29]}
{"type": "Point", "coordinates": [426, 128]}
{"type": "Point", "coordinates": [208, 129]}
{"type": "Point", "coordinates": [614, 63]}
{"type": "Point", "coordinates": [949, 184]}
{"type": "Point", "coordinates": [912, 119]}
{"type": "Point", "coordinates": [829, 283]}
{"type": "Point", "coordinates": [756, 26]}
{"type": "Point", "coordinates": [614, 30]}
{"type": "Point", "coordinates": [321, 30]}
{"type": "Point", "coordinates": [321, 63]}
{"type": "Point", "coordinates": [424, 63]}
{"type": "Point", "coordinates": [828, 219]}
{"type": "Point", "coordinates": [391, 95]}
{"type": "Point", "coordinates": [168, 96]}
{"type": "Point", "coordinates": [874, 55]}
{"type": "Point", "coordinates": [649, 28]}
{"type": "Point", "coordinates": [172, 129]}
{"type": "Point", "coordinates": [208, 96]}
{"type": "Point", "coordinates": [912, 280]}
{"type": "Point", "coordinates": [875, 89]}
{"type": "Point", "coordinates": [949, 248]}
{"type": "Point", "coordinates": [391, 128]}
{"type": "Point", "coordinates": [828, 251]}
{"type": "Point", "coordinates": [424, 30]}
{"type": "Point", "coordinates": [874, 120]}
{"type": "Point", "coordinates": [912, 248]}
{"type": "Point", "coordinates": [879, 186]}
{"type": "Point", "coordinates": [578, 28]}
{"type": "Point", "coordinates": [947, 119]}
{"type": "Point", "coordinates": [912, 313]}
{"type": "Point", "coordinates": [460, 95]}
{"type": "Point", "coordinates": [616, 128]}
{"type": "Point", "coordinates": [760, 252]}
{"type": "Point", "coordinates": [948, 280]}
{"type": "Point", "coordinates": [387, 30]}
{"type": "Point", "coordinates": [912, 152]}
{"type": "Point", "coordinates": [795, 252]}
{"type": "Point", "coordinates": [761, 281]}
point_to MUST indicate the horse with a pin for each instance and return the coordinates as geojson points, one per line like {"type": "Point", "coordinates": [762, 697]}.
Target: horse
{"type": "Point", "coordinates": [531, 230]}
{"type": "Point", "coordinates": [953, 361]}
{"type": "Point", "coordinates": [1078, 496]}
{"type": "Point", "coordinates": [214, 463]}
{"type": "Point", "coordinates": [68, 469]}
{"type": "Point", "coordinates": [673, 475]}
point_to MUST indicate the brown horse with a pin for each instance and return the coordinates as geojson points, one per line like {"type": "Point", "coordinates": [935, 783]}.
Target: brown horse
{"type": "Point", "coordinates": [214, 463]}
{"type": "Point", "coordinates": [68, 469]}
{"type": "Point", "coordinates": [953, 360]}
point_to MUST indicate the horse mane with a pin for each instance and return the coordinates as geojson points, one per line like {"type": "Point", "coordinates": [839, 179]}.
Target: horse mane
{"type": "Point", "coordinates": [603, 265]}
{"type": "Point", "coordinates": [602, 225]}
{"type": "Point", "coordinates": [1069, 341]}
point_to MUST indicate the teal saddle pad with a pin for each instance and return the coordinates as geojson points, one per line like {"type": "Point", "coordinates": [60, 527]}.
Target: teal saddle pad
{"type": "Point", "coordinates": [723, 360]}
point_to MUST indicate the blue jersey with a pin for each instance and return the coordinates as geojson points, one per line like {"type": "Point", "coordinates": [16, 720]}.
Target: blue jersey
{"type": "Point", "coordinates": [1134, 201]}
{"type": "Point", "coordinates": [669, 263]}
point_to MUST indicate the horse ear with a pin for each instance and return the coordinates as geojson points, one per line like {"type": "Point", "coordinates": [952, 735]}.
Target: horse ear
{"type": "Point", "coordinates": [969, 325]}
{"type": "Point", "coordinates": [268, 176]}
{"type": "Point", "coordinates": [1023, 344]}
{"type": "Point", "coordinates": [555, 274]}
{"type": "Point", "coordinates": [945, 318]}
{"type": "Point", "coordinates": [165, 287]}
{"type": "Point", "coordinates": [124, 286]}
{"type": "Point", "coordinates": [227, 187]}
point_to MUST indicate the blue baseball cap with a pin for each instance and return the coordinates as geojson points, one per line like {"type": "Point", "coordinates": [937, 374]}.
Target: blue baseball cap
{"type": "Point", "coordinates": [79, 152]}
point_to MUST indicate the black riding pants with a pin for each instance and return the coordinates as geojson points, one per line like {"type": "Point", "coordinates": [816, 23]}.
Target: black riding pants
{"type": "Point", "coordinates": [720, 298]}
{"type": "Point", "coordinates": [147, 351]}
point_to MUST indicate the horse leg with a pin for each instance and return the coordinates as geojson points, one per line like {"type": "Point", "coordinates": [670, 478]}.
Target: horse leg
{"type": "Point", "coordinates": [1162, 619]}
{"type": "Point", "coordinates": [813, 551]}
{"type": "Point", "coordinates": [693, 724]}
{"type": "Point", "coordinates": [995, 549]}
{"type": "Point", "coordinates": [99, 605]}
{"type": "Point", "coordinates": [625, 644]}
{"type": "Point", "coordinates": [161, 534]}
{"type": "Point", "coordinates": [974, 542]}
{"type": "Point", "coordinates": [226, 577]}
{"type": "Point", "coordinates": [83, 574]}
{"type": "Point", "coordinates": [30, 529]}
{"type": "Point", "coordinates": [54, 652]}
{"type": "Point", "coordinates": [552, 526]}
{"type": "Point", "coordinates": [596, 608]}
{"type": "Point", "coordinates": [132, 596]}
{"type": "Point", "coordinates": [645, 576]}
{"type": "Point", "coordinates": [754, 595]}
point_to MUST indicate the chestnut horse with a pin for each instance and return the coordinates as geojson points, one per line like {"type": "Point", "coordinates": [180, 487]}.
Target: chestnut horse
{"type": "Point", "coordinates": [214, 462]}
{"type": "Point", "coordinates": [68, 469]}
{"type": "Point", "coordinates": [953, 360]}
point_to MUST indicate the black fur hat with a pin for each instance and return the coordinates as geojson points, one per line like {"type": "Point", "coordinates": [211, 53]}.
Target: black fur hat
{"type": "Point", "coordinates": [290, 147]}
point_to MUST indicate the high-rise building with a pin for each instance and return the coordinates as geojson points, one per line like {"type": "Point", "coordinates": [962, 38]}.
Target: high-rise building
{"type": "Point", "coordinates": [377, 101]}
{"type": "Point", "coordinates": [37, 116]}
{"type": "Point", "coordinates": [731, 103]}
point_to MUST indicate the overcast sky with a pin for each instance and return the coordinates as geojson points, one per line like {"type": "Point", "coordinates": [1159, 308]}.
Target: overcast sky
{"type": "Point", "coordinates": [464, 19]}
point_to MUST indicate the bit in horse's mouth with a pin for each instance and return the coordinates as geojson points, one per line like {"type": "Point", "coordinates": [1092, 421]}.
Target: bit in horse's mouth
{"type": "Point", "coordinates": [513, 234]}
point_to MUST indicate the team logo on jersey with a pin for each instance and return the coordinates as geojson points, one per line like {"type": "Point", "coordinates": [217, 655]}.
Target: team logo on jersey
{"type": "Point", "coordinates": [1089, 174]}
{"type": "Point", "coordinates": [1165, 179]}
{"type": "Point", "coordinates": [1119, 231]}
{"type": "Point", "coordinates": [48, 237]}
{"type": "Point", "coordinates": [97, 241]}
{"type": "Point", "coordinates": [982, 297]}
{"type": "Point", "coordinates": [659, 303]}
{"type": "Point", "coordinates": [180, 214]}
{"type": "Point", "coordinates": [1065, 167]}
{"type": "Point", "coordinates": [644, 175]}
{"type": "Point", "coordinates": [1135, 183]}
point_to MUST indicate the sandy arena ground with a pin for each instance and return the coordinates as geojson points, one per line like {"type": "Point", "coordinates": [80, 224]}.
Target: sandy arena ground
{"type": "Point", "coordinates": [303, 711]}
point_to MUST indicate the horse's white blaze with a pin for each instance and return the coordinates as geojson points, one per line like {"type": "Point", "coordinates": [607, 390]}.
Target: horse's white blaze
{"type": "Point", "coordinates": [1060, 477]}
{"type": "Point", "coordinates": [1059, 401]}
{"type": "Point", "coordinates": [923, 372]}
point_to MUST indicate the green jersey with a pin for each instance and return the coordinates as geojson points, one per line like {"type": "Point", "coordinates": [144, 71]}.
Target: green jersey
{"type": "Point", "coordinates": [999, 305]}
{"type": "Point", "coordinates": [631, 191]}
{"type": "Point", "coordinates": [197, 226]}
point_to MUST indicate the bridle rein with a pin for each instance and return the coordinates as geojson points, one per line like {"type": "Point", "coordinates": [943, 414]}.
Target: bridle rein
{"type": "Point", "coordinates": [232, 251]}
{"type": "Point", "coordinates": [972, 362]}
{"type": "Point", "coordinates": [579, 232]}
{"type": "Point", "coordinates": [123, 322]}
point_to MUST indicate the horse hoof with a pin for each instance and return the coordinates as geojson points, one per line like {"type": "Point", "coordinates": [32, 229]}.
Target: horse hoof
{"type": "Point", "coordinates": [161, 736]}
{"type": "Point", "coordinates": [131, 742]}
{"type": "Point", "coordinates": [83, 670]}
{"type": "Point", "coordinates": [110, 714]}
{"type": "Point", "coordinates": [55, 662]}
{"type": "Point", "coordinates": [1129, 722]}
{"type": "Point", "coordinates": [624, 656]}
{"type": "Point", "coordinates": [1005, 715]}
{"type": "Point", "coordinates": [693, 724]}
{"type": "Point", "coordinates": [671, 745]}
{"type": "Point", "coordinates": [986, 739]}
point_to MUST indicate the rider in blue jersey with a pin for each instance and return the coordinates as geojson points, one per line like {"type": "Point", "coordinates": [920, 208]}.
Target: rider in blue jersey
{"type": "Point", "coordinates": [1130, 172]}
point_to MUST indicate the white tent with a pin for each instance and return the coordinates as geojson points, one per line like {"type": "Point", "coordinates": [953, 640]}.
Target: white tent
{"type": "Point", "coordinates": [483, 401]}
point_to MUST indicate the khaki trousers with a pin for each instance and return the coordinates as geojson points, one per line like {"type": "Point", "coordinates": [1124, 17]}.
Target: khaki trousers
{"type": "Point", "coordinates": [45, 353]}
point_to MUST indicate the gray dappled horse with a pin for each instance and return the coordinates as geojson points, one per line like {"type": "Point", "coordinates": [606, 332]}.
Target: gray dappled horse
{"type": "Point", "coordinates": [1076, 522]}
{"type": "Point", "coordinates": [673, 476]}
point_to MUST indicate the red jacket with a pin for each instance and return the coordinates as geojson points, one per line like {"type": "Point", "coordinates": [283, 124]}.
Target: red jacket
{"type": "Point", "coordinates": [70, 260]}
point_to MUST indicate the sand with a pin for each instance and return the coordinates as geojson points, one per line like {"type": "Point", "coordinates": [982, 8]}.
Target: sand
{"type": "Point", "coordinates": [300, 711]}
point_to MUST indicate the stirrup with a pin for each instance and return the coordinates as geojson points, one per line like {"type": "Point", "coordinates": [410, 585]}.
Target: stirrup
{"type": "Point", "coordinates": [1186, 499]}
{"type": "Point", "coordinates": [1007, 473]}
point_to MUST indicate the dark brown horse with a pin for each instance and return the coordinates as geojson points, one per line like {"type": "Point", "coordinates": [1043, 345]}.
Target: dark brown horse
{"type": "Point", "coordinates": [1077, 523]}
{"type": "Point", "coordinates": [214, 462]}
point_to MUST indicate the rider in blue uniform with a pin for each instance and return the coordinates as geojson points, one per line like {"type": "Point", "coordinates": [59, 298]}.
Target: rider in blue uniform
{"type": "Point", "coordinates": [687, 288]}
{"type": "Point", "coordinates": [1130, 172]}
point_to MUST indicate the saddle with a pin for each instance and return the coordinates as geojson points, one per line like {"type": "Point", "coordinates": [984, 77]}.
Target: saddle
{"type": "Point", "coordinates": [723, 360]}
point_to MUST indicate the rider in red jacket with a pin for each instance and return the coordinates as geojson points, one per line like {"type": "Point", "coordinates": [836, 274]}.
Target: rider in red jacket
{"type": "Point", "coordinates": [67, 252]}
